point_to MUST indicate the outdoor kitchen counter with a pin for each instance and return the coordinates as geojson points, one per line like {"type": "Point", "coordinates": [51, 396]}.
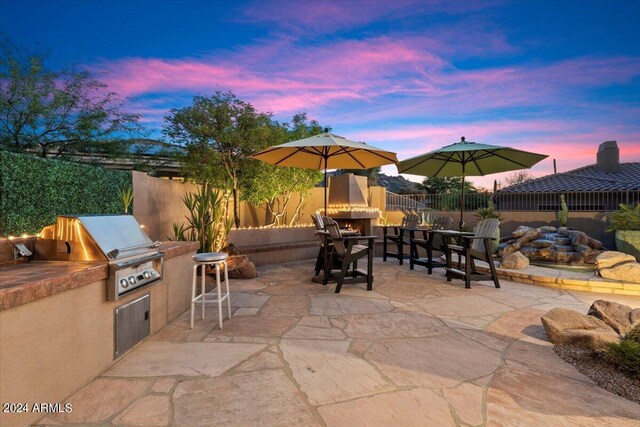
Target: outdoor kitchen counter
{"type": "Point", "coordinates": [26, 282]}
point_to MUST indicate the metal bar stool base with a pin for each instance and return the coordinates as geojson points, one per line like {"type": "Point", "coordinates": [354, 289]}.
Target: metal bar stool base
{"type": "Point", "coordinates": [201, 261]}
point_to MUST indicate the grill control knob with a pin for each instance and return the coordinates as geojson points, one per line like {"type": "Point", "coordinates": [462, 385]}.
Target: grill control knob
{"type": "Point", "coordinates": [146, 274]}
{"type": "Point", "coordinates": [124, 283]}
{"type": "Point", "coordinates": [132, 280]}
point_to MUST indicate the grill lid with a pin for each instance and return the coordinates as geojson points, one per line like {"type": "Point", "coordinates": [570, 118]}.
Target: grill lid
{"type": "Point", "coordinates": [99, 237]}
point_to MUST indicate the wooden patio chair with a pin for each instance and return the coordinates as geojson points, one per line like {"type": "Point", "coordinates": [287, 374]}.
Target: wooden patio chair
{"type": "Point", "coordinates": [399, 237]}
{"type": "Point", "coordinates": [347, 251]}
{"type": "Point", "coordinates": [430, 241]}
{"type": "Point", "coordinates": [324, 243]}
{"type": "Point", "coordinates": [472, 247]}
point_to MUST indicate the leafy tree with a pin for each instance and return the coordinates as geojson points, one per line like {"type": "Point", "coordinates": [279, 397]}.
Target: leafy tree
{"type": "Point", "coordinates": [273, 186]}
{"type": "Point", "coordinates": [219, 133]}
{"type": "Point", "coordinates": [446, 185]}
{"type": "Point", "coordinates": [56, 112]}
{"type": "Point", "coordinates": [518, 177]}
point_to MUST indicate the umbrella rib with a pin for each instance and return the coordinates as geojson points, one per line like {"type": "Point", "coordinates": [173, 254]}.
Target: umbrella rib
{"type": "Point", "coordinates": [357, 161]}
{"type": "Point", "coordinates": [509, 160]}
{"type": "Point", "coordinates": [445, 158]}
{"type": "Point", "coordinates": [287, 156]}
{"type": "Point", "coordinates": [377, 154]}
{"type": "Point", "coordinates": [267, 151]}
{"type": "Point", "coordinates": [444, 164]}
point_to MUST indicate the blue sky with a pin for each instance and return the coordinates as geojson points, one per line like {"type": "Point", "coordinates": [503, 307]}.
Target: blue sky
{"type": "Point", "coordinates": [409, 76]}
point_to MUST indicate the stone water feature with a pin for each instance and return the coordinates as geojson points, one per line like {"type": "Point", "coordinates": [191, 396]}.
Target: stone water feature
{"type": "Point", "coordinates": [552, 245]}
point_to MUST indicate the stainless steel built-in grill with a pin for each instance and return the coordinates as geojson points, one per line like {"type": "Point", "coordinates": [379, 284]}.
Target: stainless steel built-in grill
{"type": "Point", "coordinates": [134, 260]}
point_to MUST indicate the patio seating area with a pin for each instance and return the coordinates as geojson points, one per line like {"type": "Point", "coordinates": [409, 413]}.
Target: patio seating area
{"type": "Point", "coordinates": [414, 351]}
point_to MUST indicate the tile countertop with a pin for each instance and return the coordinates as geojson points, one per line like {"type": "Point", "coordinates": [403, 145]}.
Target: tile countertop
{"type": "Point", "coordinates": [26, 282]}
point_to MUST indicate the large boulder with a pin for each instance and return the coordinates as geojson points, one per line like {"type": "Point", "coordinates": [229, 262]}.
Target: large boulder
{"type": "Point", "coordinates": [514, 261]}
{"type": "Point", "coordinates": [564, 326]}
{"type": "Point", "coordinates": [618, 316]}
{"type": "Point", "coordinates": [618, 266]}
{"type": "Point", "coordinates": [241, 268]}
{"type": "Point", "coordinates": [629, 272]}
{"type": "Point", "coordinates": [610, 259]}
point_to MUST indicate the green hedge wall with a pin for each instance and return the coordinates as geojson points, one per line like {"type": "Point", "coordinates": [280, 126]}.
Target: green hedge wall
{"type": "Point", "coordinates": [34, 190]}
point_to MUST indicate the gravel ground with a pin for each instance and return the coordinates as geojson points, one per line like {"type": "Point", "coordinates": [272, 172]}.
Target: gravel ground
{"type": "Point", "coordinates": [603, 373]}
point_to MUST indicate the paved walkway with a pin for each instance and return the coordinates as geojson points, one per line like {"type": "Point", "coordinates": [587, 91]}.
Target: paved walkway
{"type": "Point", "coordinates": [416, 351]}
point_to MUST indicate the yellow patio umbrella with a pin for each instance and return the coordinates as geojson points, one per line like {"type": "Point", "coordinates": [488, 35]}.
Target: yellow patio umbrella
{"type": "Point", "coordinates": [326, 151]}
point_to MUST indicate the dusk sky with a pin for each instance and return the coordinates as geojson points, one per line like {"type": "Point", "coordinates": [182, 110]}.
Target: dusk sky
{"type": "Point", "coordinates": [554, 77]}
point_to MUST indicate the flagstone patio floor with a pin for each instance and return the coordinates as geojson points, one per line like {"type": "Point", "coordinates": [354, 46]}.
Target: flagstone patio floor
{"type": "Point", "coordinates": [415, 351]}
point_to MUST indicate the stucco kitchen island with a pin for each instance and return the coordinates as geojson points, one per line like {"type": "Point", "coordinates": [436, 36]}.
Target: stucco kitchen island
{"type": "Point", "coordinates": [57, 325]}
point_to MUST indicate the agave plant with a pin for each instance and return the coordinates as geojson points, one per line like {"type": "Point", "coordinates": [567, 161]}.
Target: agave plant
{"type": "Point", "coordinates": [488, 212]}
{"type": "Point", "coordinates": [208, 222]}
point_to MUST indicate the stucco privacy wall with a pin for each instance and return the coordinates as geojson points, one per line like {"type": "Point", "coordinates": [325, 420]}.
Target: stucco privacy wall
{"type": "Point", "coordinates": [55, 345]}
{"type": "Point", "coordinates": [158, 204]}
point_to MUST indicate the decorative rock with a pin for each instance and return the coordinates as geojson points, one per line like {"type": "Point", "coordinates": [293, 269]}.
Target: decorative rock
{"type": "Point", "coordinates": [231, 249]}
{"type": "Point", "coordinates": [595, 244]}
{"type": "Point", "coordinates": [529, 235]}
{"type": "Point", "coordinates": [583, 249]}
{"type": "Point", "coordinates": [542, 243]}
{"type": "Point", "coordinates": [629, 272]}
{"type": "Point", "coordinates": [241, 268]}
{"type": "Point", "coordinates": [548, 229]}
{"type": "Point", "coordinates": [562, 240]}
{"type": "Point", "coordinates": [564, 326]}
{"type": "Point", "coordinates": [563, 248]}
{"type": "Point", "coordinates": [612, 258]}
{"type": "Point", "coordinates": [529, 252]}
{"type": "Point", "coordinates": [578, 238]}
{"type": "Point", "coordinates": [563, 230]}
{"type": "Point", "coordinates": [514, 261]}
{"type": "Point", "coordinates": [620, 317]}
{"type": "Point", "coordinates": [521, 230]}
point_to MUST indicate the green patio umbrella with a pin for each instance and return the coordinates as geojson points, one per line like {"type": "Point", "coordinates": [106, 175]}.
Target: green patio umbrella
{"type": "Point", "coordinates": [326, 151]}
{"type": "Point", "coordinates": [467, 158]}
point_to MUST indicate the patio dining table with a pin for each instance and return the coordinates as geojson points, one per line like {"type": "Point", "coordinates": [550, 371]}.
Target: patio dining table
{"type": "Point", "coordinates": [426, 241]}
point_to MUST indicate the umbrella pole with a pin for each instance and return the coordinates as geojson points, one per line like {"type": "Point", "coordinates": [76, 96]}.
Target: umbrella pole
{"type": "Point", "coordinates": [326, 184]}
{"type": "Point", "coordinates": [461, 224]}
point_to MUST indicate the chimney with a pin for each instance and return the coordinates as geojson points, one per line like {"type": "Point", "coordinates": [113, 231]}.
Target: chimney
{"type": "Point", "coordinates": [609, 156]}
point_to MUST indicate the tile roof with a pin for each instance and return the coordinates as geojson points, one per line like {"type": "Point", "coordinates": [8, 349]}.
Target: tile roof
{"type": "Point", "coordinates": [586, 178]}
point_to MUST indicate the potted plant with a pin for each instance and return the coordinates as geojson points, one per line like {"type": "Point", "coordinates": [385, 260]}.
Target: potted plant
{"type": "Point", "coordinates": [491, 212]}
{"type": "Point", "coordinates": [626, 223]}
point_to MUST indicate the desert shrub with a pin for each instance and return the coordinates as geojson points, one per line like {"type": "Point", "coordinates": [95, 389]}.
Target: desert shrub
{"type": "Point", "coordinates": [627, 218]}
{"type": "Point", "coordinates": [633, 334]}
{"type": "Point", "coordinates": [625, 355]}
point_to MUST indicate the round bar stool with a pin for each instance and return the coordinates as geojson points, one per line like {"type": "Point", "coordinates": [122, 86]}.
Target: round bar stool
{"type": "Point", "coordinates": [202, 260]}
